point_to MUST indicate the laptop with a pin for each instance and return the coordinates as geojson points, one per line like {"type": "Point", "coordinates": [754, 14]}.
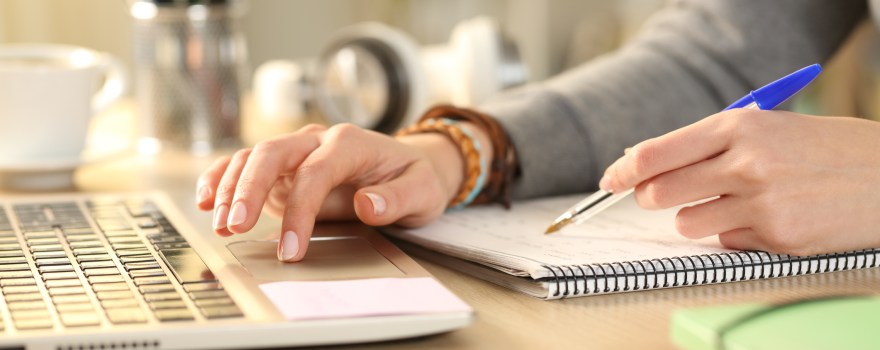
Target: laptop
{"type": "Point", "coordinates": [127, 271]}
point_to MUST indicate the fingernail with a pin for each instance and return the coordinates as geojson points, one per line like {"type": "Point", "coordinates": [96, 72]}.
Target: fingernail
{"type": "Point", "coordinates": [605, 183]}
{"type": "Point", "coordinates": [203, 193]}
{"type": "Point", "coordinates": [626, 150]}
{"type": "Point", "coordinates": [379, 204]}
{"type": "Point", "coordinates": [289, 246]}
{"type": "Point", "coordinates": [220, 216]}
{"type": "Point", "coordinates": [238, 214]}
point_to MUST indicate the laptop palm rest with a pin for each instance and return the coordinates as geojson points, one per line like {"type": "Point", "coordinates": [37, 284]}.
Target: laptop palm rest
{"type": "Point", "coordinates": [329, 258]}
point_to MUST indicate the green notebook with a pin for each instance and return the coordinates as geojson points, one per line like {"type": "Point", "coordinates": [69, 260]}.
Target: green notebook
{"type": "Point", "coordinates": [832, 323]}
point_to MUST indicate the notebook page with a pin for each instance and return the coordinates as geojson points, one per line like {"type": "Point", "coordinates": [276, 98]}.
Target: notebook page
{"type": "Point", "coordinates": [514, 241]}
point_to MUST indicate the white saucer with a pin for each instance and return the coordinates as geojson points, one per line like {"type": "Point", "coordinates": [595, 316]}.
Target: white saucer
{"type": "Point", "coordinates": [47, 174]}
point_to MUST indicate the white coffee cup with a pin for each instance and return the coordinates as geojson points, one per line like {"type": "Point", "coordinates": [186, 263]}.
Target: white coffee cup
{"type": "Point", "coordinates": [48, 93]}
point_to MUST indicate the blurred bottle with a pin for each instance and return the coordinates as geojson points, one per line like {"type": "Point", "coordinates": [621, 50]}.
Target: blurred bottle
{"type": "Point", "coordinates": [189, 59]}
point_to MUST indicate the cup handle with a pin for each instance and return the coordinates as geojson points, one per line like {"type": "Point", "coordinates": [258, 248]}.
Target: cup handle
{"type": "Point", "coordinates": [114, 87]}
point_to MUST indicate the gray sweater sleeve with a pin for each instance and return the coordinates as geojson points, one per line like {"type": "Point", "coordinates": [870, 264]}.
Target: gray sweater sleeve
{"type": "Point", "coordinates": [690, 60]}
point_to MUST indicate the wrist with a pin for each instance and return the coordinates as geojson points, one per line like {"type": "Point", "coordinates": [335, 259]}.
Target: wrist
{"type": "Point", "coordinates": [446, 157]}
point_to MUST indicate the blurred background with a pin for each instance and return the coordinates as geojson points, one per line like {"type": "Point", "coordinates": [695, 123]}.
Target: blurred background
{"type": "Point", "coordinates": [551, 35]}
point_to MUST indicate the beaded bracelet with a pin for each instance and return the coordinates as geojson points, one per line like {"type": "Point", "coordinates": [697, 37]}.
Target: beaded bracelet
{"type": "Point", "coordinates": [504, 167]}
{"type": "Point", "coordinates": [476, 168]}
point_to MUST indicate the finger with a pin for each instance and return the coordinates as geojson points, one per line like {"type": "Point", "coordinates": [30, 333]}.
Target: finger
{"type": "Point", "coordinates": [690, 144]}
{"type": "Point", "coordinates": [741, 239]}
{"type": "Point", "coordinates": [393, 201]}
{"type": "Point", "coordinates": [206, 186]}
{"type": "Point", "coordinates": [684, 185]}
{"type": "Point", "coordinates": [225, 191]}
{"type": "Point", "coordinates": [338, 204]}
{"type": "Point", "coordinates": [267, 162]}
{"type": "Point", "coordinates": [277, 198]}
{"type": "Point", "coordinates": [713, 217]}
{"type": "Point", "coordinates": [345, 151]}
{"type": "Point", "coordinates": [318, 174]}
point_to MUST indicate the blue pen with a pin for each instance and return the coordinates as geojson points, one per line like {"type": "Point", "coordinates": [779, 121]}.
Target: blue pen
{"type": "Point", "coordinates": [767, 97]}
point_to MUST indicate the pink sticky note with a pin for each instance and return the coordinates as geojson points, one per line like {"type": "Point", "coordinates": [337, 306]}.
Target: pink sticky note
{"type": "Point", "coordinates": [301, 300]}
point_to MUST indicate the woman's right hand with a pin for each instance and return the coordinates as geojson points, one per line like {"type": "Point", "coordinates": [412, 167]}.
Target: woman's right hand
{"type": "Point", "coordinates": [331, 173]}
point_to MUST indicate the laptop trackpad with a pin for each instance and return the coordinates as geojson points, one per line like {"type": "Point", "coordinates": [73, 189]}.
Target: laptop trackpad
{"type": "Point", "coordinates": [329, 258]}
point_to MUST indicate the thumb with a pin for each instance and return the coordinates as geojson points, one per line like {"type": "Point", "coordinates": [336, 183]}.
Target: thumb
{"type": "Point", "coordinates": [414, 198]}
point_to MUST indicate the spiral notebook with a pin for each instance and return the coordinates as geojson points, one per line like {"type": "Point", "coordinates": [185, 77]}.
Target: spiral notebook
{"type": "Point", "coordinates": [623, 249]}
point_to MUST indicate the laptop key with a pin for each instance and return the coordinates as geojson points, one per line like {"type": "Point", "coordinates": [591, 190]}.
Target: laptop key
{"type": "Point", "coordinates": [56, 268]}
{"type": "Point", "coordinates": [43, 241]}
{"type": "Point", "coordinates": [127, 233]}
{"type": "Point", "coordinates": [101, 271]}
{"type": "Point", "coordinates": [52, 261]}
{"type": "Point", "coordinates": [165, 315]}
{"type": "Point", "coordinates": [59, 275]}
{"type": "Point", "coordinates": [83, 238]}
{"type": "Point", "coordinates": [26, 305]}
{"type": "Point", "coordinates": [96, 264]}
{"type": "Point", "coordinates": [221, 311]}
{"type": "Point", "coordinates": [86, 244]}
{"type": "Point", "coordinates": [30, 314]}
{"type": "Point", "coordinates": [93, 257]}
{"type": "Point", "coordinates": [186, 265]}
{"type": "Point", "coordinates": [160, 296]}
{"type": "Point", "coordinates": [47, 248]}
{"type": "Point", "coordinates": [151, 280]}
{"type": "Point", "coordinates": [132, 252]}
{"type": "Point", "coordinates": [155, 288]}
{"type": "Point", "coordinates": [25, 281]}
{"type": "Point", "coordinates": [10, 246]}
{"type": "Point", "coordinates": [208, 294]}
{"type": "Point", "coordinates": [109, 287]}
{"type": "Point", "coordinates": [127, 246]}
{"type": "Point", "coordinates": [72, 282]}
{"type": "Point", "coordinates": [106, 279]}
{"type": "Point", "coordinates": [11, 253]}
{"type": "Point", "coordinates": [13, 260]}
{"type": "Point", "coordinates": [70, 299]}
{"type": "Point", "coordinates": [40, 234]}
{"type": "Point", "coordinates": [29, 324]}
{"type": "Point", "coordinates": [120, 294]}
{"type": "Point", "coordinates": [126, 315]}
{"type": "Point", "coordinates": [15, 267]}
{"type": "Point", "coordinates": [20, 290]}
{"type": "Point", "coordinates": [49, 254]}
{"type": "Point", "coordinates": [133, 259]}
{"type": "Point", "coordinates": [14, 274]}
{"type": "Point", "coordinates": [80, 319]}
{"type": "Point", "coordinates": [13, 298]}
{"type": "Point", "coordinates": [146, 273]}
{"type": "Point", "coordinates": [142, 265]}
{"type": "Point", "coordinates": [125, 239]}
{"type": "Point", "coordinates": [192, 287]}
{"type": "Point", "coordinates": [168, 304]}
{"type": "Point", "coordinates": [66, 290]}
{"type": "Point", "coordinates": [213, 302]}
{"type": "Point", "coordinates": [119, 303]}
{"type": "Point", "coordinates": [88, 251]}
{"type": "Point", "coordinates": [73, 307]}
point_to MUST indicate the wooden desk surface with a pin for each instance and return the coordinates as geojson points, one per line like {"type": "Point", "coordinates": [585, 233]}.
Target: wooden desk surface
{"type": "Point", "coordinates": [505, 319]}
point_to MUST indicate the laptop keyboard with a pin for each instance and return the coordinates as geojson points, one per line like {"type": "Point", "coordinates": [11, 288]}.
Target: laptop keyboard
{"type": "Point", "coordinates": [94, 263]}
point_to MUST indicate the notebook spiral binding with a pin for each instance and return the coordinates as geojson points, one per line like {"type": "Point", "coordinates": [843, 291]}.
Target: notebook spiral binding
{"type": "Point", "coordinates": [574, 280]}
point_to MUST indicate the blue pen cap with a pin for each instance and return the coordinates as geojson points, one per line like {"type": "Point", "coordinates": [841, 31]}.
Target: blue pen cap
{"type": "Point", "coordinates": [775, 93]}
{"type": "Point", "coordinates": [771, 95]}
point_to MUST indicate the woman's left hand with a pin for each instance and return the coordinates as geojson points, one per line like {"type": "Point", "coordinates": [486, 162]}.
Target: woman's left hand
{"type": "Point", "coordinates": [785, 182]}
